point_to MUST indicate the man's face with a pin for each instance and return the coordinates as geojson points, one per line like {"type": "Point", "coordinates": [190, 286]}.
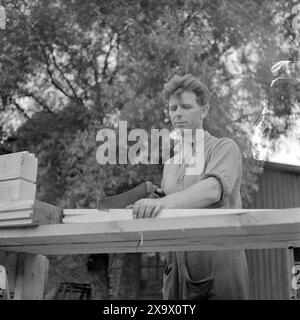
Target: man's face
{"type": "Point", "coordinates": [185, 113]}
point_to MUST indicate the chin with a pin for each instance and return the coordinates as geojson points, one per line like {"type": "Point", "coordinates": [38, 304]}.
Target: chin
{"type": "Point", "coordinates": [182, 126]}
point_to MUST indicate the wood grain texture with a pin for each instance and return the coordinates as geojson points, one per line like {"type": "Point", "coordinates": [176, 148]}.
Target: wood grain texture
{"type": "Point", "coordinates": [31, 277]}
{"type": "Point", "coordinates": [19, 189]}
{"type": "Point", "coordinates": [26, 273]}
{"type": "Point", "coordinates": [20, 165]}
{"type": "Point", "coordinates": [214, 229]}
{"type": "Point", "coordinates": [45, 213]}
{"type": "Point", "coordinates": [28, 213]}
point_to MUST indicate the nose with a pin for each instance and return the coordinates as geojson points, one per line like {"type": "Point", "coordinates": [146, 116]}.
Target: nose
{"type": "Point", "coordinates": [178, 113]}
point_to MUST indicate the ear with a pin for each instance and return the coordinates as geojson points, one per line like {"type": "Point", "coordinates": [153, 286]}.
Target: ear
{"type": "Point", "coordinates": [205, 110]}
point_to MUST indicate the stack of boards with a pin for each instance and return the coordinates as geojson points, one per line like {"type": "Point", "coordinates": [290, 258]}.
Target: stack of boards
{"type": "Point", "coordinates": [18, 173]}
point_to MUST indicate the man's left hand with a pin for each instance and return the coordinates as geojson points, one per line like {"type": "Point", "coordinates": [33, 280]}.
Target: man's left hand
{"type": "Point", "coordinates": [147, 208]}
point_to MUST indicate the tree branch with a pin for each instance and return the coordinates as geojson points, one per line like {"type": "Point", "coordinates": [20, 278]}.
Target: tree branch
{"type": "Point", "coordinates": [56, 84]}
{"type": "Point", "coordinates": [39, 101]}
{"type": "Point", "coordinates": [190, 17]}
{"type": "Point", "coordinates": [111, 78]}
{"type": "Point", "coordinates": [95, 70]}
{"type": "Point", "coordinates": [64, 77]}
{"type": "Point", "coordinates": [186, 22]}
{"type": "Point", "coordinates": [19, 108]}
{"type": "Point", "coordinates": [107, 55]}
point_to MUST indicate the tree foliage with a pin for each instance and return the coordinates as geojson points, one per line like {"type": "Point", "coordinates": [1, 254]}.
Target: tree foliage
{"type": "Point", "coordinates": [69, 68]}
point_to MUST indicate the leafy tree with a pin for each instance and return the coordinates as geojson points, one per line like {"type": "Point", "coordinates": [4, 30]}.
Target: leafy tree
{"type": "Point", "coordinates": [69, 68]}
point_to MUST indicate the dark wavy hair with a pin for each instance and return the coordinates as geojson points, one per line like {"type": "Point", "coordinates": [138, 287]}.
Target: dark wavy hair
{"type": "Point", "coordinates": [188, 82]}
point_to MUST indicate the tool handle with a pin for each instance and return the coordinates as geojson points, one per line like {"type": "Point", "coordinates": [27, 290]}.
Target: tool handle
{"type": "Point", "coordinates": [144, 190]}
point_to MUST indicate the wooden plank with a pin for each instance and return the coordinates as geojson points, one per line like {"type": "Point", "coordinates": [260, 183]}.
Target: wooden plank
{"type": "Point", "coordinates": [214, 231]}
{"type": "Point", "coordinates": [29, 213]}
{"type": "Point", "coordinates": [15, 215]}
{"type": "Point", "coordinates": [94, 215]}
{"type": "Point", "coordinates": [19, 189]}
{"type": "Point", "coordinates": [225, 242]}
{"type": "Point", "coordinates": [161, 247]}
{"type": "Point", "coordinates": [20, 165]}
{"type": "Point", "coordinates": [31, 277]}
{"type": "Point", "coordinates": [16, 223]}
{"type": "Point", "coordinates": [207, 223]}
{"type": "Point", "coordinates": [45, 213]}
{"type": "Point", "coordinates": [19, 205]}
{"type": "Point", "coordinates": [171, 238]}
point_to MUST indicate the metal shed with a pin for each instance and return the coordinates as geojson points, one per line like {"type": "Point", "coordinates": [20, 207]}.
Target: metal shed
{"type": "Point", "coordinates": [269, 269]}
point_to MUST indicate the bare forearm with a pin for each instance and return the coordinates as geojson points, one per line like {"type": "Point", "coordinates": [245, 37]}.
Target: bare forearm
{"type": "Point", "coordinates": [199, 195]}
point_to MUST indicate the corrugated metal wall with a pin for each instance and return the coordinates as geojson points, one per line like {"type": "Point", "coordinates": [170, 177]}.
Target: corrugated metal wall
{"type": "Point", "coordinates": [279, 187]}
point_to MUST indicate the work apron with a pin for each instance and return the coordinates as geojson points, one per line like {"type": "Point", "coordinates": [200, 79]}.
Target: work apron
{"type": "Point", "coordinates": [206, 275]}
{"type": "Point", "coordinates": [202, 275]}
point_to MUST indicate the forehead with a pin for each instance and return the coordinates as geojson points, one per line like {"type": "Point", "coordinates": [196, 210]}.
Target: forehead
{"type": "Point", "coordinates": [186, 97]}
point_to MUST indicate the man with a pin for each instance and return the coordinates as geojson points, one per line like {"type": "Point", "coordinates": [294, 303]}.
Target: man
{"type": "Point", "coordinates": [200, 274]}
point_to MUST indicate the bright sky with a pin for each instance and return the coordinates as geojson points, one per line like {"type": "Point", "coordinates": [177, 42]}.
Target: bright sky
{"type": "Point", "coordinates": [290, 149]}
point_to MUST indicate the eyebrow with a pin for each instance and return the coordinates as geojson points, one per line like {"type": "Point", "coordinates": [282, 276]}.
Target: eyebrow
{"type": "Point", "coordinates": [184, 105]}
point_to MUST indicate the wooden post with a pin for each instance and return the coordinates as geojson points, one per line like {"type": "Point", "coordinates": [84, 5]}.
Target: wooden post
{"type": "Point", "coordinates": [26, 273]}
{"type": "Point", "coordinates": [31, 277]}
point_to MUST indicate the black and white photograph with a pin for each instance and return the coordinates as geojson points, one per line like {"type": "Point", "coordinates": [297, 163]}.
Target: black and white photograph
{"type": "Point", "coordinates": [149, 151]}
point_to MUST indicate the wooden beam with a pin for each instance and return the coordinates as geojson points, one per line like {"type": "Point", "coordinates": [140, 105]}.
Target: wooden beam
{"type": "Point", "coordinates": [31, 277]}
{"type": "Point", "coordinates": [18, 189]}
{"type": "Point", "coordinates": [18, 172]}
{"type": "Point", "coordinates": [28, 213]}
{"type": "Point", "coordinates": [45, 213]}
{"type": "Point", "coordinates": [20, 165]}
{"type": "Point", "coordinates": [186, 229]}
{"type": "Point", "coordinates": [94, 215]}
{"type": "Point", "coordinates": [26, 273]}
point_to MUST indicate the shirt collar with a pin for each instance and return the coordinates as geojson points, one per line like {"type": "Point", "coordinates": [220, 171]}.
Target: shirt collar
{"type": "Point", "coordinates": [179, 145]}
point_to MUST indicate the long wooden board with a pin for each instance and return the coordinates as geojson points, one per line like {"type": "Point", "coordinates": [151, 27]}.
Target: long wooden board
{"type": "Point", "coordinates": [16, 213]}
{"type": "Point", "coordinates": [214, 229]}
{"type": "Point", "coordinates": [94, 215]}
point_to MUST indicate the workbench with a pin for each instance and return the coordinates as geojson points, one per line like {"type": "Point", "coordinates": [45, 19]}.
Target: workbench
{"type": "Point", "coordinates": [30, 229]}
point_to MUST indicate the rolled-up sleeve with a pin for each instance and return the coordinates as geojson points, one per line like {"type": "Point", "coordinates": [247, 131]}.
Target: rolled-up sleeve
{"type": "Point", "coordinates": [225, 164]}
